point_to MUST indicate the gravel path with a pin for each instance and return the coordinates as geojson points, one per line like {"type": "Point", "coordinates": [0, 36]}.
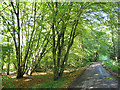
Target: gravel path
{"type": "Point", "coordinates": [95, 76]}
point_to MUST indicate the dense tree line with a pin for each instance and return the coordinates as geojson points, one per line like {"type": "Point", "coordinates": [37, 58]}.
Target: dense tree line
{"type": "Point", "coordinates": [57, 34]}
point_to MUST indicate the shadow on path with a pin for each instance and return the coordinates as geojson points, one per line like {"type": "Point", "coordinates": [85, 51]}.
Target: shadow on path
{"type": "Point", "coordinates": [95, 76]}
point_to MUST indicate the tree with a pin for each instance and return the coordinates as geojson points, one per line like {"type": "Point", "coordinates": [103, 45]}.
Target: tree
{"type": "Point", "coordinates": [26, 41]}
{"type": "Point", "coordinates": [56, 29]}
{"type": "Point", "coordinates": [61, 45]}
{"type": "Point", "coordinates": [119, 33]}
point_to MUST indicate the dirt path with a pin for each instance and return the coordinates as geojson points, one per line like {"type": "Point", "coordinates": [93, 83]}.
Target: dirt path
{"type": "Point", "coordinates": [95, 76]}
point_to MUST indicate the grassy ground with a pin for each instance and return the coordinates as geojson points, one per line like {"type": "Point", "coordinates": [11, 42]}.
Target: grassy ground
{"type": "Point", "coordinates": [41, 80]}
{"type": "Point", "coordinates": [112, 65]}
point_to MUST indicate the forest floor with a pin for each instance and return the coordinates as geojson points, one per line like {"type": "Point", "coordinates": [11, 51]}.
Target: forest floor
{"type": "Point", "coordinates": [43, 79]}
{"type": "Point", "coordinates": [40, 80]}
{"type": "Point", "coordinates": [95, 76]}
{"type": "Point", "coordinates": [36, 79]}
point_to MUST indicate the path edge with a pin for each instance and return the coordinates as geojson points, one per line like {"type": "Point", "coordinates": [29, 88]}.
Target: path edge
{"type": "Point", "coordinates": [113, 73]}
{"type": "Point", "coordinates": [81, 72]}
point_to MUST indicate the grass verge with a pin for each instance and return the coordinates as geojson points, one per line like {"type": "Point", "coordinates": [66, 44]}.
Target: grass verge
{"type": "Point", "coordinates": [112, 66]}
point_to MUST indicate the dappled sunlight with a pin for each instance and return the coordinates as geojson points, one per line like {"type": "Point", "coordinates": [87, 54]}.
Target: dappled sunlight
{"type": "Point", "coordinates": [96, 74]}
{"type": "Point", "coordinates": [66, 71]}
{"type": "Point", "coordinates": [39, 73]}
{"type": "Point", "coordinates": [13, 77]}
{"type": "Point", "coordinates": [113, 84]}
{"type": "Point", "coordinates": [43, 73]}
{"type": "Point", "coordinates": [104, 84]}
{"type": "Point", "coordinates": [56, 43]}
{"type": "Point", "coordinates": [91, 87]}
{"type": "Point", "coordinates": [99, 80]}
{"type": "Point", "coordinates": [89, 77]}
{"type": "Point", "coordinates": [26, 80]}
{"type": "Point", "coordinates": [37, 84]}
{"type": "Point", "coordinates": [94, 65]}
{"type": "Point", "coordinates": [50, 72]}
{"type": "Point", "coordinates": [24, 75]}
{"type": "Point", "coordinates": [31, 81]}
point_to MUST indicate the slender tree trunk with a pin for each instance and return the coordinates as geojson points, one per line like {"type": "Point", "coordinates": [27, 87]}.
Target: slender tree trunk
{"type": "Point", "coordinates": [119, 46]}
{"type": "Point", "coordinates": [119, 32]}
{"type": "Point", "coordinates": [19, 72]}
{"type": "Point", "coordinates": [54, 52]}
{"type": "Point", "coordinates": [15, 66]}
{"type": "Point", "coordinates": [114, 49]}
{"type": "Point", "coordinates": [17, 44]}
{"type": "Point", "coordinates": [119, 37]}
{"type": "Point", "coordinates": [2, 66]}
{"type": "Point", "coordinates": [8, 68]}
{"type": "Point", "coordinates": [72, 36]}
{"type": "Point", "coordinates": [2, 58]}
{"type": "Point", "coordinates": [53, 41]}
{"type": "Point", "coordinates": [8, 65]}
{"type": "Point", "coordinates": [82, 51]}
{"type": "Point", "coordinates": [58, 46]}
{"type": "Point", "coordinates": [65, 59]}
{"type": "Point", "coordinates": [2, 62]}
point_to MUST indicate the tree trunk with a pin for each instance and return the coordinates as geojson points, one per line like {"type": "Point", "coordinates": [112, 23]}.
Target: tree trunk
{"type": "Point", "coordinates": [66, 57]}
{"type": "Point", "coordinates": [8, 68]}
{"type": "Point", "coordinates": [2, 66]}
{"type": "Point", "coordinates": [54, 46]}
{"type": "Point", "coordinates": [8, 65]}
{"type": "Point", "coordinates": [119, 46]}
{"type": "Point", "coordinates": [82, 51]}
{"type": "Point", "coordinates": [19, 72]}
{"type": "Point", "coordinates": [114, 49]}
{"type": "Point", "coordinates": [119, 32]}
{"type": "Point", "coordinates": [2, 61]}
{"type": "Point", "coordinates": [17, 48]}
{"type": "Point", "coordinates": [15, 66]}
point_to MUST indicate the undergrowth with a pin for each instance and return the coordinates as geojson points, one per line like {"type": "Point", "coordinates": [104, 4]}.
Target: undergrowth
{"type": "Point", "coordinates": [8, 82]}
{"type": "Point", "coordinates": [113, 65]}
{"type": "Point", "coordinates": [42, 81]}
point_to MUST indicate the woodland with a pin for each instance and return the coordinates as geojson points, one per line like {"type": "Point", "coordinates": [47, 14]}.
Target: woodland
{"type": "Point", "coordinates": [57, 36]}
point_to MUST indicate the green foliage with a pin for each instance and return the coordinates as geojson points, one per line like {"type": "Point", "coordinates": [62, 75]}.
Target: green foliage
{"type": "Point", "coordinates": [111, 64]}
{"type": "Point", "coordinates": [97, 25]}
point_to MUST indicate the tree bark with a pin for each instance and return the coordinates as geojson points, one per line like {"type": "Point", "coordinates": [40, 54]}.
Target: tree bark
{"type": "Point", "coordinates": [72, 36]}
{"type": "Point", "coordinates": [114, 49]}
{"type": "Point", "coordinates": [8, 65]}
{"type": "Point", "coordinates": [2, 66]}
{"type": "Point", "coordinates": [82, 51]}
{"type": "Point", "coordinates": [19, 72]}
{"type": "Point", "coordinates": [15, 66]}
{"type": "Point", "coordinates": [119, 32]}
{"type": "Point", "coordinates": [54, 45]}
{"type": "Point", "coordinates": [8, 68]}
